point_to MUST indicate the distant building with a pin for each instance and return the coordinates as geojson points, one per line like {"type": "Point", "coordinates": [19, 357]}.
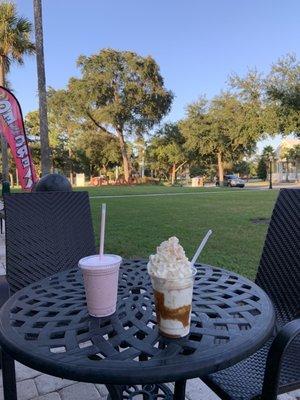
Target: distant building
{"type": "Point", "coordinates": [33, 138]}
{"type": "Point", "coordinates": [286, 170]}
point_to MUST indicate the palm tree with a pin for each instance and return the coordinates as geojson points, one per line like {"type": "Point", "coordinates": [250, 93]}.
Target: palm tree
{"type": "Point", "coordinates": [14, 45]}
{"type": "Point", "coordinates": [45, 149]}
{"type": "Point", "coordinates": [269, 155]}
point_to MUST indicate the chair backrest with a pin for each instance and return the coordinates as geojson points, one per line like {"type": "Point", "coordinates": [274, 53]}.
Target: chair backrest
{"type": "Point", "coordinates": [46, 232]}
{"type": "Point", "coordinates": [279, 269]}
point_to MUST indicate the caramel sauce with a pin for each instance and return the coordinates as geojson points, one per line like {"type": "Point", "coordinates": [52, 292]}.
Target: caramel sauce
{"type": "Point", "coordinates": [181, 314]}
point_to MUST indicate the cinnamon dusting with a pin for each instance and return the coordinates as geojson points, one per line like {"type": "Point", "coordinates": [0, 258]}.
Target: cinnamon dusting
{"type": "Point", "coordinates": [181, 314]}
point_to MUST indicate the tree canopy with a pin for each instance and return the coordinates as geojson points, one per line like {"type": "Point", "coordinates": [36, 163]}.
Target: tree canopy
{"type": "Point", "coordinates": [106, 117]}
{"type": "Point", "coordinates": [166, 150]}
{"type": "Point", "coordinates": [222, 128]}
{"type": "Point", "coordinates": [273, 100]}
{"type": "Point", "coordinates": [121, 93]}
{"type": "Point", "coordinates": [14, 37]}
{"type": "Point", "coordinates": [283, 90]}
{"type": "Point", "coordinates": [15, 43]}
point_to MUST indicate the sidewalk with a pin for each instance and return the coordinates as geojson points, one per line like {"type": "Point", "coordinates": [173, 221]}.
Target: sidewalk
{"type": "Point", "coordinates": [33, 385]}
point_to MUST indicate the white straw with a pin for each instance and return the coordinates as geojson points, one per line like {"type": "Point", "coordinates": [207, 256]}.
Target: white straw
{"type": "Point", "coordinates": [102, 229]}
{"type": "Point", "coordinates": [201, 246]}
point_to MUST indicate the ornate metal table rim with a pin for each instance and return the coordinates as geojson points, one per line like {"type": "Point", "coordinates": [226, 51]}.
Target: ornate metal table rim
{"type": "Point", "coordinates": [46, 326]}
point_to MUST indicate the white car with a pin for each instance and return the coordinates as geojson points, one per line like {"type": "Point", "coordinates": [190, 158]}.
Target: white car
{"type": "Point", "coordinates": [233, 181]}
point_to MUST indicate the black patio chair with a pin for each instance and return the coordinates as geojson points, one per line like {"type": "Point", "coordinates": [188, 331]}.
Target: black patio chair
{"type": "Point", "coordinates": [46, 232]}
{"type": "Point", "coordinates": [275, 368]}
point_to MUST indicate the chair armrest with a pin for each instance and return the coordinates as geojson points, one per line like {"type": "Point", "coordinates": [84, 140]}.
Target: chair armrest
{"type": "Point", "coordinates": [4, 290]}
{"type": "Point", "coordinates": [279, 345]}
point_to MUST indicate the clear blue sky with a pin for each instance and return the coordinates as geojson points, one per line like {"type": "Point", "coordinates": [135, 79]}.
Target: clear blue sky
{"type": "Point", "coordinates": [197, 43]}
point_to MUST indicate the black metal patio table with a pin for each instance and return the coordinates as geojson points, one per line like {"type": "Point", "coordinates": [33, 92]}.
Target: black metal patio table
{"type": "Point", "coordinates": [46, 327]}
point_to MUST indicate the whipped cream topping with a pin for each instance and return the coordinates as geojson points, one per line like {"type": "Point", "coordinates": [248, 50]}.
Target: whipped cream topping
{"type": "Point", "coordinates": [170, 261]}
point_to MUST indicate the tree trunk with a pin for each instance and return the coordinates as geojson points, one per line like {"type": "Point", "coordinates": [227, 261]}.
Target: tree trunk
{"type": "Point", "coordinates": [5, 169]}
{"type": "Point", "coordinates": [126, 161]}
{"type": "Point", "coordinates": [104, 169]}
{"type": "Point", "coordinates": [11, 180]}
{"type": "Point", "coordinates": [17, 178]}
{"type": "Point", "coordinates": [2, 72]}
{"type": "Point", "coordinates": [173, 174]}
{"type": "Point", "coordinates": [220, 169]}
{"type": "Point", "coordinates": [143, 167]}
{"type": "Point", "coordinates": [71, 166]}
{"type": "Point", "coordinates": [45, 149]}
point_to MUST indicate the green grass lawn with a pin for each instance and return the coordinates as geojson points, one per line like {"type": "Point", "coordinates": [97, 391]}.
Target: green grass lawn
{"type": "Point", "coordinates": [144, 189]}
{"type": "Point", "coordinates": [137, 224]}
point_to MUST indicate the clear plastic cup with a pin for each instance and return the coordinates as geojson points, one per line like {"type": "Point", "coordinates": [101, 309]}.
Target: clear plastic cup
{"type": "Point", "coordinates": [100, 276]}
{"type": "Point", "coordinates": [173, 304]}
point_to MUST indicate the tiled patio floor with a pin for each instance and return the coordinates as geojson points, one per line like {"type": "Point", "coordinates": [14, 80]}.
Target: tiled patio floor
{"type": "Point", "coordinates": [34, 385]}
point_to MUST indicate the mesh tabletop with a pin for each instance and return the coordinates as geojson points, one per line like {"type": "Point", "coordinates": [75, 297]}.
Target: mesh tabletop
{"type": "Point", "coordinates": [46, 326]}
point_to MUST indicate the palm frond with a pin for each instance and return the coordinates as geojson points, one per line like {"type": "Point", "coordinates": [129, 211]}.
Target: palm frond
{"type": "Point", "coordinates": [14, 35]}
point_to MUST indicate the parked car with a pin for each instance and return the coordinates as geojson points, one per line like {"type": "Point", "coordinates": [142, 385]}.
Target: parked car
{"type": "Point", "coordinates": [232, 181]}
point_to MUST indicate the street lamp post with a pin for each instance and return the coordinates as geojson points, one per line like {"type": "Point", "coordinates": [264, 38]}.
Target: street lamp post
{"type": "Point", "coordinates": [270, 172]}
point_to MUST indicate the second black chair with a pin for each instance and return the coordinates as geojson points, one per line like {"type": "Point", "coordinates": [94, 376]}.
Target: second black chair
{"type": "Point", "coordinates": [275, 368]}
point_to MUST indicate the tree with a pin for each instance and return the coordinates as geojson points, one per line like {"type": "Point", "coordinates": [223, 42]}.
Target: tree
{"type": "Point", "coordinates": [14, 45]}
{"type": "Point", "coordinates": [220, 129]}
{"type": "Point", "coordinates": [64, 120]}
{"type": "Point", "coordinates": [274, 101]}
{"type": "Point", "coordinates": [234, 128]}
{"type": "Point", "coordinates": [45, 149]}
{"type": "Point", "coordinates": [196, 129]}
{"type": "Point", "coordinates": [268, 154]}
{"type": "Point", "coordinates": [260, 115]}
{"type": "Point", "coordinates": [83, 147]}
{"type": "Point", "coordinates": [243, 168]}
{"type": "Point", "coordinates": [58, 141]}
{"type": "Point", "coordinates": [203, 166]}
{"type": "Point", "coordinates": [82, 142]}
{"type": "Point", "coordinates": [140, 149]}
{"type": "Point", "coordinates": [294, 156]}
{"type": "Point", "coordinates": [262, 169]}
{"type": "Point", "coordinates": [122, 93]}
{"type": "Point", "coordinates": [290, 155]}
{"type": "Point", "coordinates": [32, 128]}
{"type": "Point", "coordinates": [282, 87]}
{"type": "Point", "coordinates": [166, 150]}
{"type": "Point", "coordinates": [102, 150]}
{"type": "Point", "coordinates": [294, 153]}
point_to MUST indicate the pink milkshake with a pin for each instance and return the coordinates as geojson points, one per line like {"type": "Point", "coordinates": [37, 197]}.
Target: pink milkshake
{"type": "Point", "coordinates": [100, 275]}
